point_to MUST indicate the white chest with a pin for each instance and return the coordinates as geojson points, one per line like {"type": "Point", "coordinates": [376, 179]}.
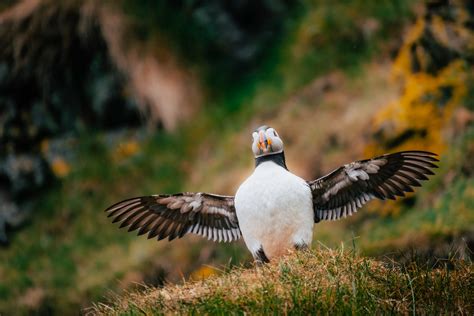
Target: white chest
{"type": "Point", "coordinates": [275, 211]}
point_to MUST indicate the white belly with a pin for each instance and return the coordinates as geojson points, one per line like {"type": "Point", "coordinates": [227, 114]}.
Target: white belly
{"type": "Point", "coordinates": [275, 210]}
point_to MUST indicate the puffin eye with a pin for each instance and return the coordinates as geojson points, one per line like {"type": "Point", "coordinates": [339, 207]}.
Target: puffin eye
{"type": "Point", "coordinates": [275, 134]}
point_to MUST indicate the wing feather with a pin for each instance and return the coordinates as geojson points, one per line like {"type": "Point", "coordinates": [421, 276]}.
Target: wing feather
{"type": "Point", "coordinates": [344, 190]}
{"type": "Point", "coordinates": [146, 227]}
{"type": "Point", "coordinates": [173, 216]}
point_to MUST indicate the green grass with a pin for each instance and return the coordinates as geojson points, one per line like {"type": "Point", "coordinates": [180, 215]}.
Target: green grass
{"type": "Point", "coordinates": [343, 282]}
{"type": "Point", "coordinates": [441, 217]}
{"type": "Point", "coordinates": [69, 229]}
{"type": "Point", "coordinates": [322, 281]}
{"type": "Point", "coordinates": [70, 251]}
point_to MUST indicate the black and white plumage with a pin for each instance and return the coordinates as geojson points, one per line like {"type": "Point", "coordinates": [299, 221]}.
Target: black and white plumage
{"type": "Point", "coordinates": [172, 216]}
{"type": "Point", "coordinates": [347, 188]}
{"type": "Point", "coordinates": [273, 209]}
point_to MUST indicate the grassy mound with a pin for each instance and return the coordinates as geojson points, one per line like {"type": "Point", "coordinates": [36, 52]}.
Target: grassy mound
{"type": "Point", "coordinates": [69, 254]}
{"type": "Point", "coordinates": [330, 76]}
{"type": "Point", "coordinates": [326, 281]}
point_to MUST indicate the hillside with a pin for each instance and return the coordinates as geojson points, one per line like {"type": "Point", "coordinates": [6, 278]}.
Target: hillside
{"type": "Point", "coordinates": [339, 81]}
{"type": "Point", "coordinates": [430, 228]}
{"type": "Point", "coordinates": [323, 281]}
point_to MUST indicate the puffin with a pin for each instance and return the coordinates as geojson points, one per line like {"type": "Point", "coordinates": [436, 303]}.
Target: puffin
{"type": "Point", "coordinates": [274, 210]}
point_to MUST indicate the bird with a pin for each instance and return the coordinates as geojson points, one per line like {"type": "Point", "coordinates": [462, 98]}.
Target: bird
{"type": "Point", "coordinates": [274, 210]}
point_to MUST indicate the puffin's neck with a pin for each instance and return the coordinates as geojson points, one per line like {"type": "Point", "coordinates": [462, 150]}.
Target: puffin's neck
{"type": "Point", "coordinates": [279, 159]}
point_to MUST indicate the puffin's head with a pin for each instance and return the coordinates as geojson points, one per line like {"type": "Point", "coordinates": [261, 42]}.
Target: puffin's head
{"type": "Point", "coordinates": [266, 142]}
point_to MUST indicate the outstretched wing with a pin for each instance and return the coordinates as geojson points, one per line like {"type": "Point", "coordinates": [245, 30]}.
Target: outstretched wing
{"type": "Point", "coordinates": [347, 188]}
{"type": "Point", "coordinates": [173, 216]}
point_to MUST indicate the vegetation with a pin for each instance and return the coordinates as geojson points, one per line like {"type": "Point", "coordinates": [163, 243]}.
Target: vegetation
{"type": "Point", "coordinates": [323, 281]}
{"type": "Point", "coordinates": [421, 238]}
{"type": "Point", "coordinates": [437, 223]}
{"type": "Point", "coordinates": [327, 75]}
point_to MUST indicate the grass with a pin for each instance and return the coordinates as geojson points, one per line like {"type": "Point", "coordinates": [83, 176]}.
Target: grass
{"type": "Point", "coordinates": [441, 217]}
{"type": "Point", "coordinates": [55, 252]}
{"type": "Point", "coordinates": [71, 254]}
{"type": "Point", "coordinates": [327, 281]}
{"type": "Point", "coordinates": [334, 281]}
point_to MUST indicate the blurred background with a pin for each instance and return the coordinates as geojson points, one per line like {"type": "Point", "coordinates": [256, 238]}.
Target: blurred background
{"type": "Point", "coordinates": [106, 100]}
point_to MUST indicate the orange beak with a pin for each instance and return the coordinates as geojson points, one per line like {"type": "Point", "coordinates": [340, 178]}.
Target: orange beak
{"type": "Point", "coordinates": [263, 141]}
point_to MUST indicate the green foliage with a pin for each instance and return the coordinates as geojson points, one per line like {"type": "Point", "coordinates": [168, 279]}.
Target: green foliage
{"type": "Point", "coordinates": [307, 38]}
{"type": "Point", "coordinates": [225, 39]}
{"type": "Point", "coordinates": [326, 281]}
{"type": "Point", "coordinates": [340, 35]}
{"type": "Point", "coordinates": [440, 221]}
{"type": "Point", "coordinates": [75, 255]}
{"type": "Point", "coordinates": [71, 228]}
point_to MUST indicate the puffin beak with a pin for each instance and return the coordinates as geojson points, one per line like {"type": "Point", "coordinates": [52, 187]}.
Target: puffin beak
{"type": "Point", "coordinates": [263, 141]}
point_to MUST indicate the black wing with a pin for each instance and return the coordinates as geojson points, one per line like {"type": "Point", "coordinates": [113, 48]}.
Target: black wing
{"type": "Point", "coordinates": [173, 216]}
{"type": "Point", "coordinates": [347, 188]}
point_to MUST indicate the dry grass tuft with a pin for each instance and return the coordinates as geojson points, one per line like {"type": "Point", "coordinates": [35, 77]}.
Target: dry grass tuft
{"type": "Point", "coordinates": [324, 280]}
